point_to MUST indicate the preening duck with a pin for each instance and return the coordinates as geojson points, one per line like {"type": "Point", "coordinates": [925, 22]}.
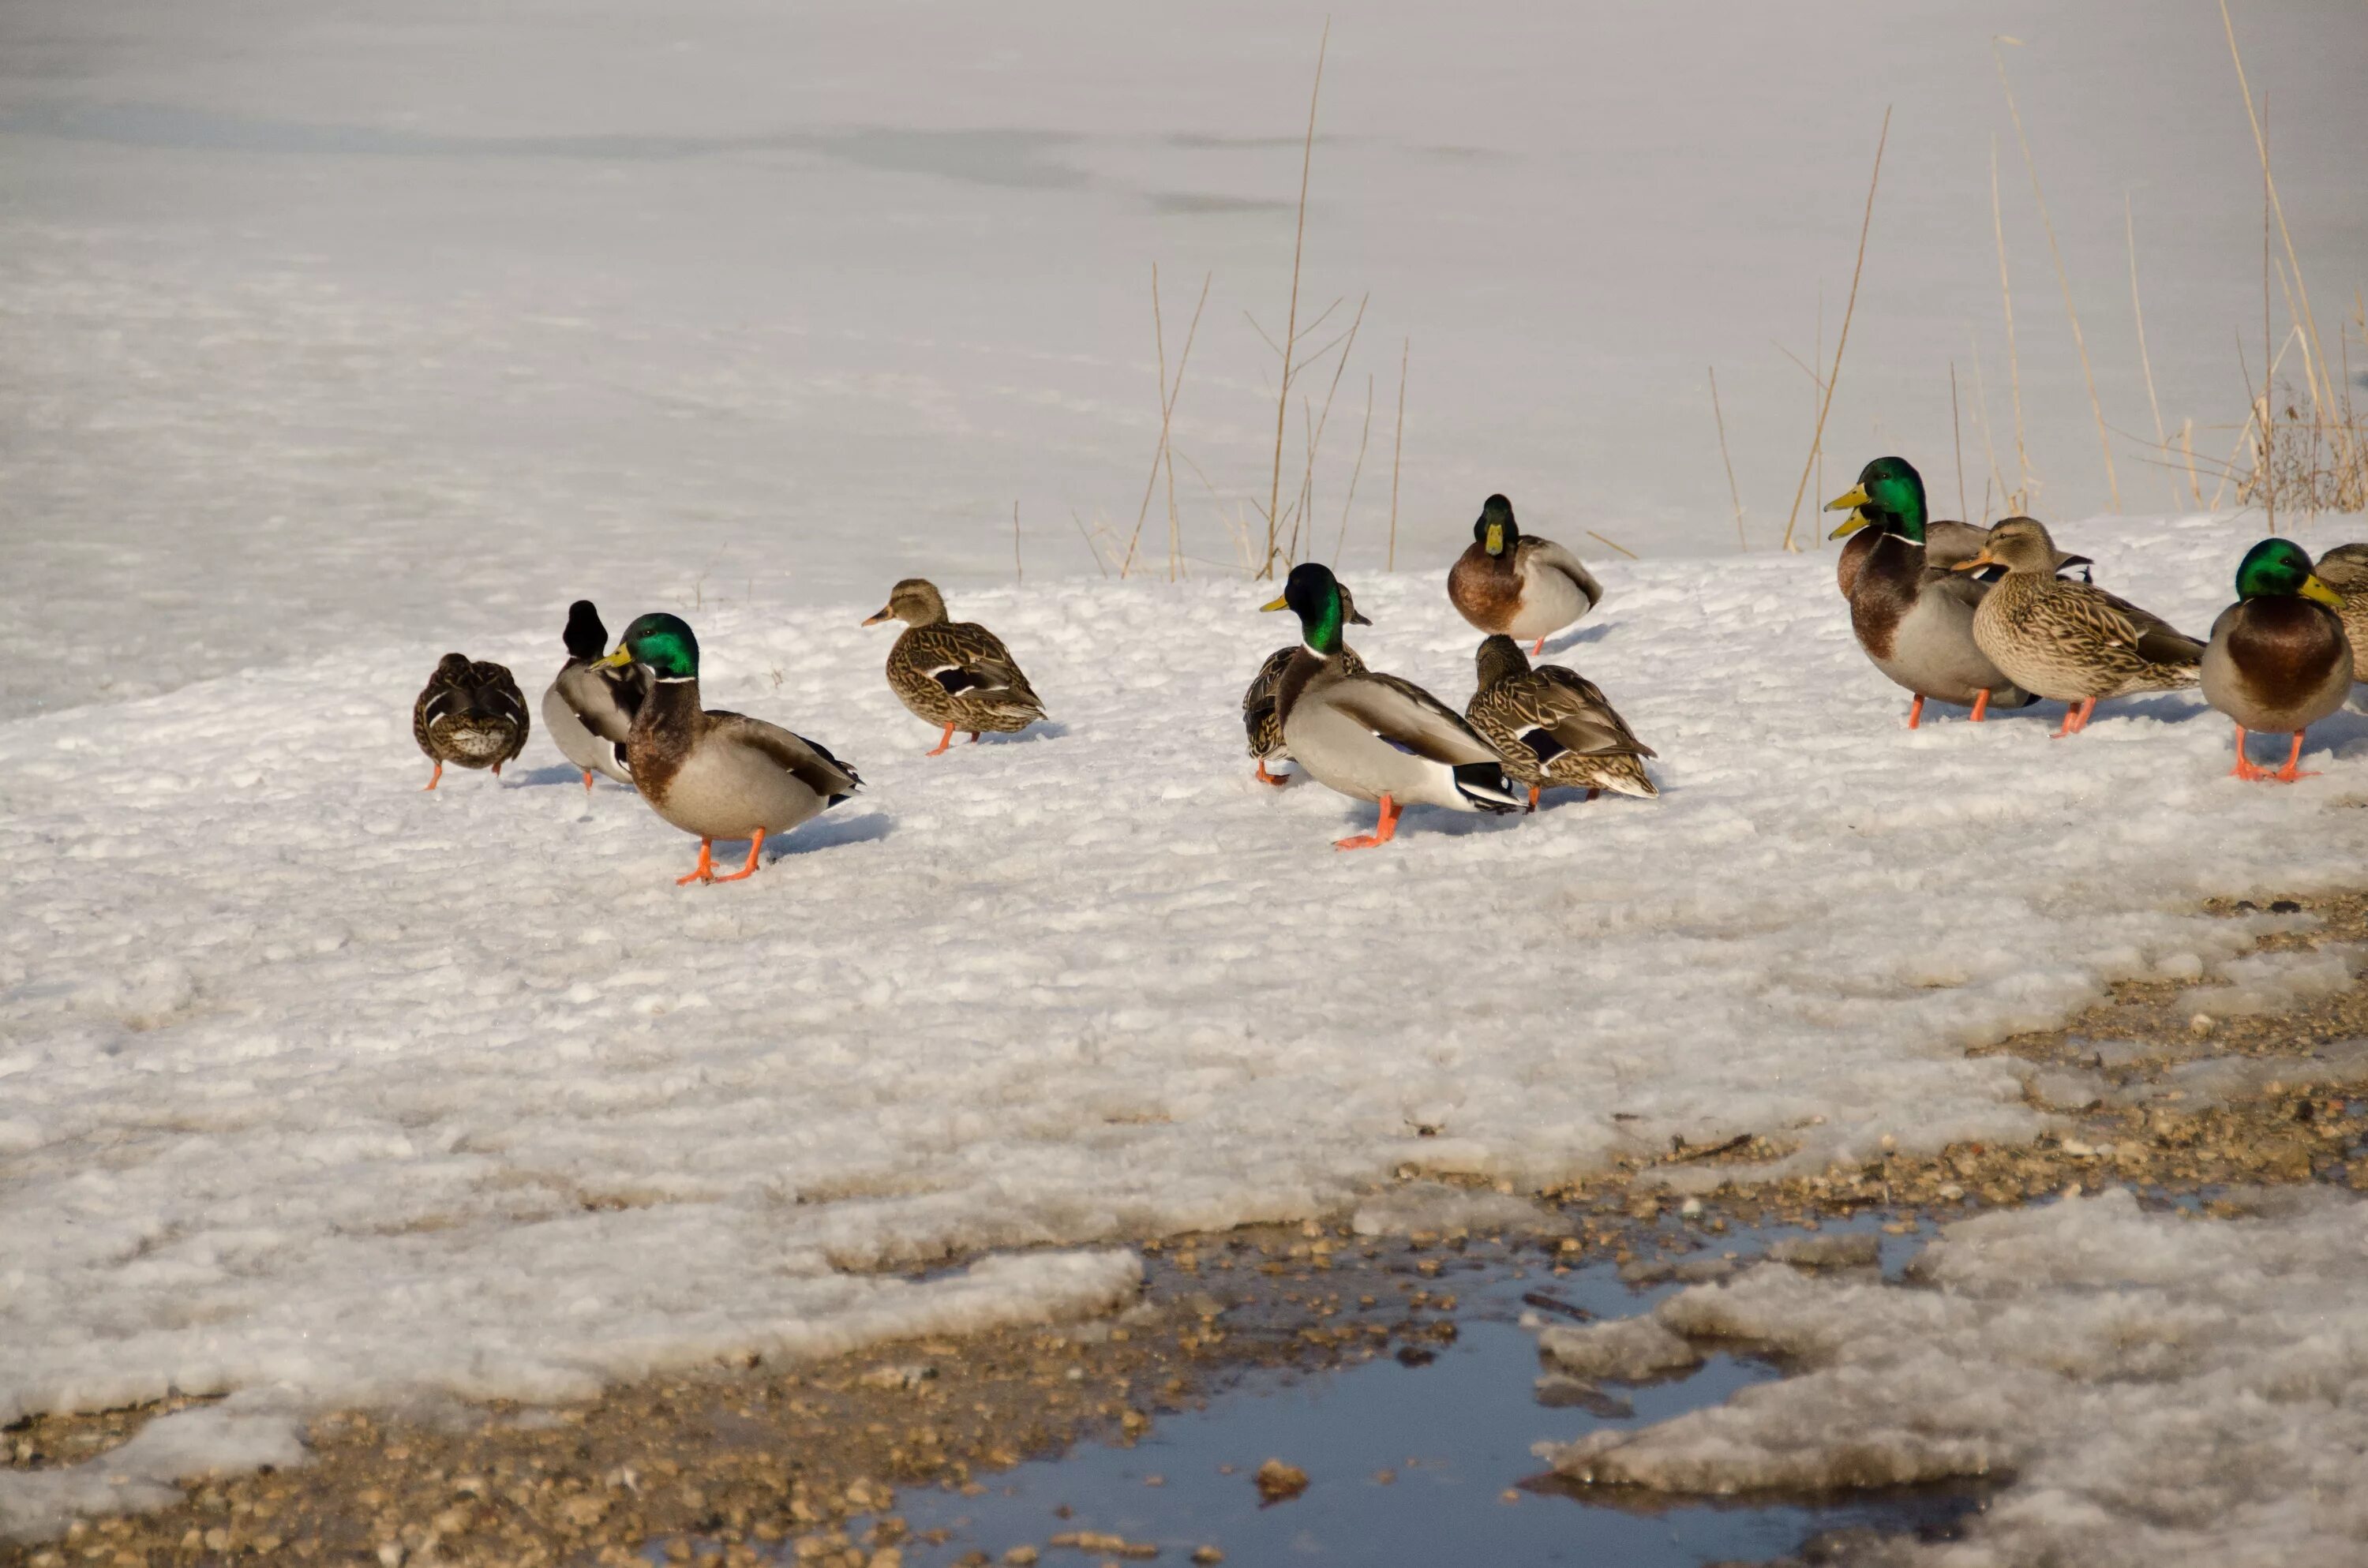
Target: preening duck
{"type": "Point", "coordinates": [953, 673]}
{"type": "Point", "coordinates": [717, 774]}
{"type": "Point", "coordinates": [2069, 642]}
{"type": "Point", "coordinates": [1374, 737]}
{"type": "Point", "coordinates": [469, 714]}
{"type": "Point", "coordinates": [1261, 719]}
{"type": "Point", "coordinates": [590, 705]}
{"type": "Point", "coordinates": [1518, 584]}
{"type": "Point", "coordinates": [1912, 614]}
{"type": "Point", "coordinates": [1552, 726]}
{"type": "Point", "coordinates": [2279, 660]}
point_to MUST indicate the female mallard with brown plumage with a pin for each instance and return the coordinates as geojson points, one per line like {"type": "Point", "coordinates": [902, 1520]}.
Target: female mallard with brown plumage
{"type": "Point", "coordinates": [1552, 726]}
{"type": "Point", "coordinates": [2069, 642]}
{"type": "Point", "coordinates": [2279, 660]}
{"type": "Point", "coordinates": [1374, 737]}
{"type": "Point", "coordinates": [2345, 568]}
{"type": "Point", "coordinates": [717, 774]}
{"type": "Point", "coordinates": [1518, 584]}
{"type": "Point", "coordinates": [953, 673]}
{"type": "Point", "coordinates": [469, 714]}
{"type": "Point", "coordinates": [589, 707]}
{"type": "Point", "coordinates": [1912, 614]}
{"type": "Point", "coordinates": [1261, 718]}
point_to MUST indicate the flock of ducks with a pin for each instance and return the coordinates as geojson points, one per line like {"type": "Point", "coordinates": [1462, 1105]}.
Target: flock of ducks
{"type": "Point", "coordinates": [1978, 617]}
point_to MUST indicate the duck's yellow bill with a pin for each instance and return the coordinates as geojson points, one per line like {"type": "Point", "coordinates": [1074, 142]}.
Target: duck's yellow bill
{"type": "Point", "coordinates": [1496, 538]}
{"type": "Point", "coordinates": [2314, 587]}
{"type": "Point", "coordinates": [1854, 499]}
{"type": "Point", "coordinates": [1284, 603]}
{"type": "Point", "coordinates": [619, 657]}
{"type": "Point", "coordinates": [1851, 523]}
{"type": "Point", "coordinates": [1976, 562]}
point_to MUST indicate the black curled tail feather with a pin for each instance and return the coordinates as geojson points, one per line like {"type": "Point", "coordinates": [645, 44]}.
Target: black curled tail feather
{"type": "Point", "coordinates": [1484, 784]}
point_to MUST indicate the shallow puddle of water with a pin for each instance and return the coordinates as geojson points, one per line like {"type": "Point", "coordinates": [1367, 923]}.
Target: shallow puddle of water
{"type": "Point", "coordinates": [1410, 1464]}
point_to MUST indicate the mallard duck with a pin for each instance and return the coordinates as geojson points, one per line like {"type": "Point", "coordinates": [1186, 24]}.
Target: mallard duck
{"type": "Point", "coordinates": [469, 714]}
{"type": "Point", "coordinates": [1374, 737]}
{"type": "Point", "coordinates": [1552, 726]}
{"type": "Point", "coordinates": [1912, 614]}
{"type": "Point", "coordinates": [1517, 584]}
{"type": "Point", "coordinates": [716, 774]}
{"type": "Point", "coordinates": [2345, 568]}
{"type": "Point", "coordinates": [589, 707]}
{"type": "Point", "coordinates": [953, 673]}
{"type": "Point", "coordinates": [2279, 660]}
{"type": "Point", "coordinates": [1263, 725]}
{"type": "Point", "coordinates": [1946, 542]}
{"type": "Point", "coordinates": [2070, 641]}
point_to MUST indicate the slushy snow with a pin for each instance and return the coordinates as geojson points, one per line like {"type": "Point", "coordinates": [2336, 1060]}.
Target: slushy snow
{"type": "Point", "coordinates": [323, 1087]}
{"type": "Point", "coordinates": [2152, 1387]}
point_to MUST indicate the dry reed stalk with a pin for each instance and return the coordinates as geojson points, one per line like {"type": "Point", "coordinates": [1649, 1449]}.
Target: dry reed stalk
{"type": "Point", "coordinates": [2022, 494]}
{"type": "Point", "coordinates": [1818, 439]}
{"type": "Point", "coordinates": [1341, 538]}
{"type": "Point", "coordinates": [1092, 548]}
{"type": "Point", "coordinates": [1614, 544]}
{"type": "Point", "coordinates": [1733, 494]}
{"type": "Point", "coordinates": [2146, 362]}
{"type": "Point", "coordinates": [1957, 435]}
{"type": "Point", "coordinates": [1290, 323]}
{"type": "Point", "coordinates": [2261, 145]}
{"type": "Point", "coordinates": [2063, 279]}
{"type": "Point", "coordinates": [1982, 413]}
{"type": "Point", "coordinates": [1397, 451]}
{"type": "Point", "coordinates": [2186, 445]}
{"type": "Point", "coordinates": [1301, 508]}
{"type": "Point", "coordinates": [1168, 396]}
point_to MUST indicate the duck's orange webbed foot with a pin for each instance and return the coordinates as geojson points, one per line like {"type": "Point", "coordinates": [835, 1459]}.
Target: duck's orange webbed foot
{"type": "Point", "coordinates": [1916, 712]}
{"type": "Point", "coordinates": [705, 870]}
{"type": "Point", "coordinates": [749, 870]}
{"type": "Point", "coordinates": [1981, 705]}
{"type": "Point", "coordinates": [1384, 831]}
{"type": "Point", "coordinates": [1535, 790]}
{"type": "Point", "coordinates": [433, 779]}
{"type": "Point", "coordinates": [1266, 778]}
{"type": "Point", "coordinates": [943, 742]}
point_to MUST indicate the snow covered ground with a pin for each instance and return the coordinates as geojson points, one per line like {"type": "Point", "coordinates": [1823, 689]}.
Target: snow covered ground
{"type": "Point", "coordinates": [325, 1088]}
{"type": "Point", "coordinates": [2162, 1388]}
{"type": "Point", "coordinates": [339, 335]}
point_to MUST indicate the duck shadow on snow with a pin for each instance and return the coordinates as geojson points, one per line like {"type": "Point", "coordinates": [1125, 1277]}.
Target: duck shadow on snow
{"type": "Point", "coordinates": [1584, 635]}
{"type": "Point", "coordinates": [827, 832]}
{"type": "Point", "coordinates": [559, 773]}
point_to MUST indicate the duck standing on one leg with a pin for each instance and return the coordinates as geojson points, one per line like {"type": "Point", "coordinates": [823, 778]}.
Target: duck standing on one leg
{"type": "Point", "coordinates": [717, 774]}
{"type": "Point", "coordinates": [2345, 568]}
{"type": "Point", "coordinates": [1261, 719]}
{"type": "Point", "coordinates": [1913, 616]}
{"type": "Point", "coordinates": [1374, 737]}
{"type": "Point", "coordinates": [1517, 584]}
{"type": "Point", "coordinates": [2279, 660]}
{"type": "Point", "coordinates": [589, 707]}
{"type": "Point", "coordinates": [1552, 726]}
{"type": "Point", "coordinates": [954, 673]}
{"type": "Point", "coordinates": [2069, 642]}
{"type": "Point", "coordinates": [469, 714]}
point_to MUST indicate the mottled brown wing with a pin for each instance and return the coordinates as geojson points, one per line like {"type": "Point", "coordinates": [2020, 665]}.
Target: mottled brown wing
{"type": "Point", "coordinates": [1573, 710]}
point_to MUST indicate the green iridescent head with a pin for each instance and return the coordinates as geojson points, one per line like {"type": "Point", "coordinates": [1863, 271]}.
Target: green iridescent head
{"type": "Point", "coordinates": [662, 641]}
{"type": "Point", "coordinates": [2279, 567]}
{"type": "Point", "coordinates": [1890, 495]}
{"type": "Point", "coordinates": [1495, 530]}
{"type": "Point", "coordinates": [1315, 597]}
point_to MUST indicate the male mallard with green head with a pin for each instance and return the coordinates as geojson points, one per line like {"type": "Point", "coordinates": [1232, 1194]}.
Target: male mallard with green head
{"type": "Point", "coordinates": [2279, 660]}
{"type": "Point", "coordinates": [1518, 584]}
{"type": "Point", "coordinates": [953, 673]}
{"type": "Point", "coordinates": [717, 774]}
{"type": "Point", "coordinates": [1912, 616]}
{"type": "Point", "coordinates": [2069, 642]}
{"type": "Point", "coordinates": [589, 707]}
{"type": "Point", "coordinates": [1261, 719]}
{"type": "Point", "coordinates": [2345, 568]}
{"type": "Point", "coordinates": [469, 714]}
{"type": "Point", "coordinates": [1552, 726]}
{"type": "Point", "coordinates": [1374, 737]}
